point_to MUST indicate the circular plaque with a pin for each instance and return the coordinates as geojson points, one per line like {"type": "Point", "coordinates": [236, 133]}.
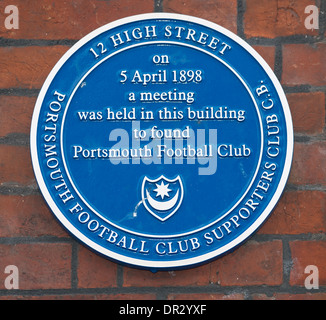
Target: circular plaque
{"type": "Point", "coordinates": [161, 141]}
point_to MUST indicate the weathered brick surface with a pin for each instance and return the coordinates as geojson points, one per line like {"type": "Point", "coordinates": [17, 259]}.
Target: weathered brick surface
{"type": "Point", "coordinates": [308, 112]}
{"type": "Point", "coordinates": [86, 296]}
{"type": "Point", "coordinates": [16, 165]}
{"type": "Point", "coordinates": [27, 216]}
{"type": "Point", "coordinates": [94, 271]}
{"type": "Point", "coordinates": [305, 253]}
{"type": "Point", "coordinates": [40, 265]}
{"type": "Point", "coordinates": [205, 296]}
{"type": "Point", "coordinates": [267, 53]}
{"type": "Point", "coordinates": [309, 164]}
{"type": "Point", "coordinates": [27, 67]}
{"type": "Point", "coordinates": [304, 64]}
{"type": "Point", "coordinates": [298, 212]}
{"type": "Point", "coordinates": [274, 18]}
{"type": "Point", "coordinates": [221, 12]}
{"type": "Point", "coordinates": [199, 276]}
{"type": "Point", "coordinates": [289, 296]}
{"type": "Point", "coordinates": [255, 263]}
{"type": "Point", "coordinates": [68, 19]}
{"type": "Point", "coordinates": [269, 266]}
{"type": "Point", "coordinates": [16, 114]}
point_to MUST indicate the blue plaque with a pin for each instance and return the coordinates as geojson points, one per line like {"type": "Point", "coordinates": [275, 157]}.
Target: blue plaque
{"type": "Point", "coordinates": [161, 141]}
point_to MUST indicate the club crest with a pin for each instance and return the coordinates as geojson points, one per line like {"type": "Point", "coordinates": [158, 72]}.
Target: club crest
{"type": "Point", "coordinates": [162, 197]}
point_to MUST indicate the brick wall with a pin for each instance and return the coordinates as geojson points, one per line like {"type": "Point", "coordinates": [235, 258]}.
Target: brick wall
{"type": "Point", "coordinates": [269, 266]}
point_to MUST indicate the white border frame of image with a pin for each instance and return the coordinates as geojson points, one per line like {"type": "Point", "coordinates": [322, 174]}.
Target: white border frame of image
{"type": "Point", "coordinates": [155, 264]}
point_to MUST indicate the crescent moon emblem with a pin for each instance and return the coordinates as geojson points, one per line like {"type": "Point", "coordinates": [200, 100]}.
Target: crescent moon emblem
{"type": "Point", "coordinates": [162, 206]}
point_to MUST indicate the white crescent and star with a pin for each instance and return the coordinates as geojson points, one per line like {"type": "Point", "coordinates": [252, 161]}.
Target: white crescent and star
{"type": "Point", "coordinates": [162, 205]}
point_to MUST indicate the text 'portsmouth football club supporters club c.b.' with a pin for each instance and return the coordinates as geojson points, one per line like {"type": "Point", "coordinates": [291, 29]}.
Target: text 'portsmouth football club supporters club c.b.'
{"type": "Point", "coordinates": [161, 141]}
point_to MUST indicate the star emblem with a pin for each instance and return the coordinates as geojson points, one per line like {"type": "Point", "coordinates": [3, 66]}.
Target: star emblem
{"type": "Point", "coordinates": [162, 190]}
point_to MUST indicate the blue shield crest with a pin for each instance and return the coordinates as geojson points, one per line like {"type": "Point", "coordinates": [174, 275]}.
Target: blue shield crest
{"type": "Point", "coordinates": [162, 197]}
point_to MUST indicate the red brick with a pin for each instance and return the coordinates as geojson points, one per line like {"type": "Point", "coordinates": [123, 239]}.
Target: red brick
{"type": "Point", "coordinates": [68, 19]}
{"type": "Point", "coordinates": [305, 253]}
{"type": "Point", "coordinates": [95, 271]}
{"type": "Point", "coordinates": [40, 265]}
{"type": "Point", "coordinates": [16, 114]}
{"type": "Point", "coordinates": [308, 112]}
{"type": "Point", "coordinates": [85, 296]}
{"type": "Point", "coordinates": [254, 263]}
{"type": "Point", "coordinates": [205, 296]}
{"type": "Point", "coordinates": [221, 12]}
{"type": "Point", "coordinates": [309, 164]}
{"type": "Point", "coordinates": [275, 18]}
{"type": "Point", "coordinates": [27, 216]}
{"type": "Point", "coordinates": [199, 276]}
{"type": "Point", "coordinates": [298, 212]}
{"type": "Point", "coordinates": [15, 165]}
{"type": "Point", "coordinates": [291, 296]}
{"type": "Point", "coordinates": [27, 67]}
{"type": "Point", "coordinates": [268, 53]}
{"type": "Point", "coordinates": [132, 296]}
{"type": "Point", "coordinates": [304, 64]}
